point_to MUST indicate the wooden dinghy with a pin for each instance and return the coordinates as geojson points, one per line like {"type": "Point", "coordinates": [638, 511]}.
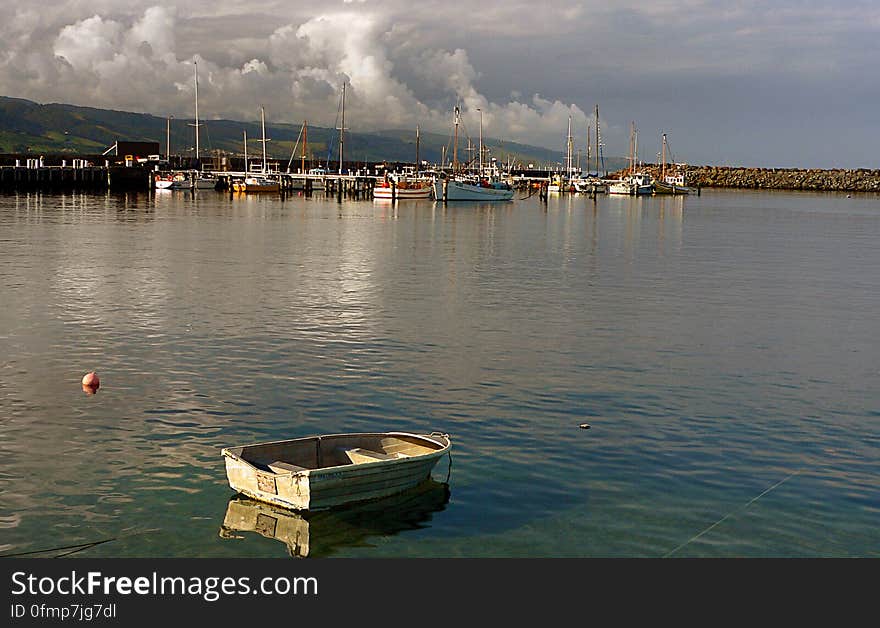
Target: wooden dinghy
{"type": "Point", "coordinates": [323, 471]}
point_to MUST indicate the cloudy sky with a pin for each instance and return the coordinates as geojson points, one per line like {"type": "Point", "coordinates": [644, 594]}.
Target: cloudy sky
{"type": "Point", "coordinates": [788, 83]}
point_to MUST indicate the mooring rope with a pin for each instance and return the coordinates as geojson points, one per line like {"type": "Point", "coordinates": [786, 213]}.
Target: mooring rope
{"type": "Point", "coordinates": [79, 547]}
{"type": "Point", "coordinates": [449, 468]}
{"type": "Point", "coordinates": [749, 503]}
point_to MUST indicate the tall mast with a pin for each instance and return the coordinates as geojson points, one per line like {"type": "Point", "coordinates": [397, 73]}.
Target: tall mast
{"type": "Point", "coordinates": [168, 140]}
{"type": "Point", "coordinates": [342, 128]}
{"type": "Point", "coordinates": [568, 149]}
{"type": "Point", "coordinates": [245, 151]}
{"type": "Point", "coordinates": [305, 142]}
{"type": "Point", "coordinates": [632, 151]}
{"type": "Point", "coordinates": [196, 68]}
{"type": "Point", "coordinates": [481, 142]}
{"type": "Point", "coordinates": [264, 140]}
{"type": "Point", "coordinates": [635, 147]}
{"type": "Point", "coordinates": [663, 164]}
{"type": "Point", "coordinates": [455, 141]}
{"type": "Point", "coordinates": [417, 149]}
{"type": "Point", "coordinates": [598, 140]}
{"type": "Point", "coordinates": [588, 147]}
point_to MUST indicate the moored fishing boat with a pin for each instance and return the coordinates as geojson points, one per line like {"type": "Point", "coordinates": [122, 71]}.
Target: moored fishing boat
{"type": "Point", "coordinates": [184, 180]}
{"type": "Point", "coordinates": [163, 180]}
{"type": "Point", "coordinates": [620, 186]}
{"type": "Point", "coordinates": [561, 185]}
{"type": "Point", "coordinates": [402, 187]}
{"type": "Point", "coordinates": [328, 470]}
{"type": "Point", "coordinates": [407, 185]}
{"type": "Point", "coordinates": [636, 184]}
{"type": "Point", "coordinates": [461, 189]}
{"type": "Point", "coordinates": [673, 183]}
{"type": "Point", "coordinates": [254, 183]}
{"type": "Point", "coordinates": [590, 185]}
{"type": "Point", "coordinates": [202, 181]}
{"type": "Point", "coordinates": [458, 186]}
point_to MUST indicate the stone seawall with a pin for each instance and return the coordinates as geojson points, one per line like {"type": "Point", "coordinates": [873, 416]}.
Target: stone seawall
{"type": "Point", "coordinates": [861, 180]}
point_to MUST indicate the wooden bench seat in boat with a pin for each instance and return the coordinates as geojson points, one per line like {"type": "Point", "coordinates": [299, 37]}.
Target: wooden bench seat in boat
{"type": "Point", "coordinates": [358, 455]}
{"type": "Point", "coordinates": [279, 466]}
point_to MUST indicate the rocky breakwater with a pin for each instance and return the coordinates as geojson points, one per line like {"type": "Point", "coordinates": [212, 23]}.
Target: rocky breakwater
{"type": "Point", "coordinates": [861, 180]}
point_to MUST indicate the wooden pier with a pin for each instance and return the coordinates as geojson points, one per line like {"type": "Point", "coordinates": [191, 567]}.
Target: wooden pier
{"type": "Point", "coordinates": [53, 178]}
{"type": "Point", "coordinates": [80, 177]}
{"type": "Point", "coordinates": [355, 186]}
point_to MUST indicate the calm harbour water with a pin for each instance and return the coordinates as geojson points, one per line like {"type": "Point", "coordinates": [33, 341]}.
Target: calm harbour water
{"type": "Point", "coordinates": [722, 347]}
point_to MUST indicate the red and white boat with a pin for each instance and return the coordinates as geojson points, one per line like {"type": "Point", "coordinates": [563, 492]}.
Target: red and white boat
{"type": "Point", "coordinates": [401, 188]}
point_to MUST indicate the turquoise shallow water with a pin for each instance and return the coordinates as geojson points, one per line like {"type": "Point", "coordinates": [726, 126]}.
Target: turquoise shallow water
{"type": "Point", "coordinates": [722, 347]}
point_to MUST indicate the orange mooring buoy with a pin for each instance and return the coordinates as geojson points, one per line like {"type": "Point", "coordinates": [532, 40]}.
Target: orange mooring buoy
{"type": "Point", "coordinates": [90, 383]}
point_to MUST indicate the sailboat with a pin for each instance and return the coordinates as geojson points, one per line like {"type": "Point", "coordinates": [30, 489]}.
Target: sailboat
{"type": "Point", "coordinates": [406, 185]}
{"type": "Point", "coordinates": [198, 179]}
{"type": "Point", "coordinates": [669, 183]}
{"type": "Point", "coordinates": [299, 183]}
{"type": "Point", "coordinates": [635, 183]}
{"type": "Point", "coordinates": [591, 182]}
{"type": "Point", "coordinates": [564, 183]}
{"type": "Point", "coordinates": [187, 179]}
{"type": "Point", "coordinates": [259, 182]}
{"type": "Point", "coordinates": [458, 187]}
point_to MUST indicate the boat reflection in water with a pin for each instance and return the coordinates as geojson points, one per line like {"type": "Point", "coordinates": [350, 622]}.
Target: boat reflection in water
{"type": "Point", "coordinates": [321, 533]}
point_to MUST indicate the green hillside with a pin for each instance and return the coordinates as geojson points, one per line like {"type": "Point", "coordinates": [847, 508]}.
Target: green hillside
{"type": "Point", "coordinates": [29, 127]}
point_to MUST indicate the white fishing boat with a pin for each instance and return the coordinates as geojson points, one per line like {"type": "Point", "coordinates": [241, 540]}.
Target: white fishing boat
{"type": "Point", "coordinates": [672, 183]}
{"type": "Point", "coordinates": [620, 186]}
{"type": "Point", "coordinates": [458, 189]}
{"type": "Point", "coordinates": [183, 180]}
{"type": "Point", "coordinates": [458, 186]}
{"type": "Point", "coordinates": [635, 183]}
{"type": "Point", "coordinates": [322, 471]}
{"type": "Point", "coordinates": [175, 180]}
{"type": "Point", "coordinates": [590, 185]}
{"type": "Point", "coordinates": [163, 180]}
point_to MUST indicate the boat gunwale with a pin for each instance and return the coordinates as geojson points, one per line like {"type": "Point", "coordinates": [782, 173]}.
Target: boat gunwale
{"type": "Point", "coordinates": [227, 451]}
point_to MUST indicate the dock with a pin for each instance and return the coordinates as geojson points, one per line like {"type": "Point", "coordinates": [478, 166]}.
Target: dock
{"type": "Point", "coordinates": [354, 186]}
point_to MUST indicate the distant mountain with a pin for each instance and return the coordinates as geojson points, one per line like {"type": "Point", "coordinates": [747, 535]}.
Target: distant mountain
{"type": "Point", "coordinates": [29, 127]}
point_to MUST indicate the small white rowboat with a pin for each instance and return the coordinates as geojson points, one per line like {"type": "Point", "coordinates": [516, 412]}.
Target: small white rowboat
{"type": "Point", "coordinates": [322, 471]}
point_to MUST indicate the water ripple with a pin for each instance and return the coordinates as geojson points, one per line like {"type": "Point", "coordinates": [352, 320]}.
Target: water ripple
{"type": "Point", "coordinates": [715, 344]}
